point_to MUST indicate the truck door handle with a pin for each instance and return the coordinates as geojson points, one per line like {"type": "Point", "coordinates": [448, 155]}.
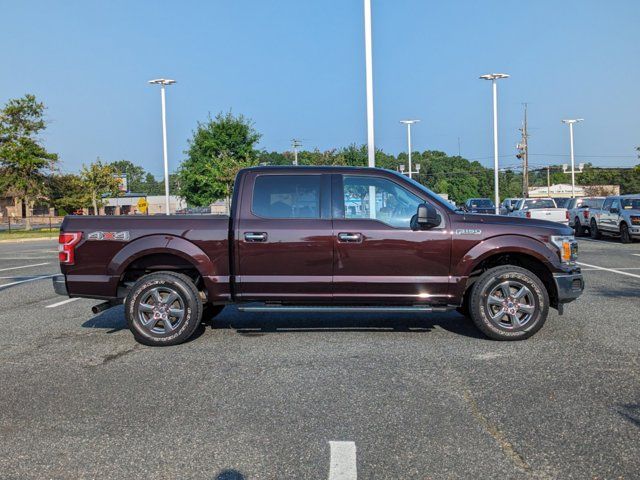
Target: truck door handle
{"type": "Point", "coordinates": [255, 236]}
{"type": "Point", "coordinates": [346, 237]}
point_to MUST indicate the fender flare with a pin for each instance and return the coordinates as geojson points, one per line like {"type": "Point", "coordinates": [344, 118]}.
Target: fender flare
{"type": "Point", "coordinates": [504, 244]}
{"type": "Point", "coordinates": [161, 244]}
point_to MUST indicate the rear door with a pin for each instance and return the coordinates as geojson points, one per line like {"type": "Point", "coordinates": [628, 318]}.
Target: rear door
{"type": "Point", "coordinates": [284, 243]}
{"type": "Point", "coordinates": [378, 258]}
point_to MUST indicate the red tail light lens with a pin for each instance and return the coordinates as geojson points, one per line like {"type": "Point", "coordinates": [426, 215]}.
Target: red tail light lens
{"type": "Point", "coordinates": [585, 214]}
{"type": "Point", "coordinates": [66, 246]}
{"type": "Point", "coordinates": [528, 214]}
{"type": "Point", "coordinates": [566, 214]}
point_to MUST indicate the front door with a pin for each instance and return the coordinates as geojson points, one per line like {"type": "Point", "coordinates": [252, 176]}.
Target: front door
{"type": "Point", "coordinates": [284, 244]}
{"type": "Point", "coordinates": [379, 259]}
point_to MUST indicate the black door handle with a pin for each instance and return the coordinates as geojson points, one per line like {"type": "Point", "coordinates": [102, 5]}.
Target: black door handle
{"type": "Point", "coordinates": [255, 236]}
{"type": "Point", "coordinates": [349, 237]}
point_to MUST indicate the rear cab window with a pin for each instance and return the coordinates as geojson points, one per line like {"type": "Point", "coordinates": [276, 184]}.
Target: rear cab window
{"type": "Point", "coordinates": [286, 196]}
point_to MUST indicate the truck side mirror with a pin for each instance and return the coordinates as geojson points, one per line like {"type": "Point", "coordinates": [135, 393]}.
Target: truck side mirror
{"type": "Point", "coordinates": [425, 218]}
{"type": "Point", "coordinates": [614, 210]}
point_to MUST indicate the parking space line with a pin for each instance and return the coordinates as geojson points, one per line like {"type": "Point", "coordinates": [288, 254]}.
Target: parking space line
{"type": "Point", "coordinates": [636, 254]}
{"type": "Point", "coordinates": [24, 266]}
{"type": "Point", "coordinates": [63, 302]}
{"type": "Point", "coordinates": [25, 281]}
{"type": "Point", "coordinates": [620, 272]}
{"type": "Point", "coordinates": [342, 464]}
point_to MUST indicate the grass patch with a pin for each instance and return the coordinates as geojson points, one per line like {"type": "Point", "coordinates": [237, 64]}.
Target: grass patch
{"type": "Point", "coordinates": [35, 233]}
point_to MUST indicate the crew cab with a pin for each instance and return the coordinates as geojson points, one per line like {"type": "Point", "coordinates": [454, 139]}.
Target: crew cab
{"type": "Point", "coordinates": [619, 216]}
{"type": "Point", "coordinates": [579, 209]}
{"type": "Point", "coordinates": [321, 239]}
{"type": "Point", "coordinates": [541, 209]}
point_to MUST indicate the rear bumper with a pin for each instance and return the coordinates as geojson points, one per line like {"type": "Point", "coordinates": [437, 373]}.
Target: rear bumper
{"type": "Point", "coordinates": [569, 286]}
{"type": "Point", "coordinates": [59, 285]}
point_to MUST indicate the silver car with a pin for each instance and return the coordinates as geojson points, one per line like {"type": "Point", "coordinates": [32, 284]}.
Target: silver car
{"type": "Point", "coordinates": [619, 215]}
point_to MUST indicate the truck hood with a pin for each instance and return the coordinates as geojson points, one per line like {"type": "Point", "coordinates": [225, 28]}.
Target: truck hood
{"type": "Point", "coordinates": [527, 224]}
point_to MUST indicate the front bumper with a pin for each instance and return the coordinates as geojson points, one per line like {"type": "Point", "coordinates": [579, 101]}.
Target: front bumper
{"type": "Point", "coordinates": [569, 286]}
{"type": "Point", "coordinates": [634, 230]}
{"type": "Point", "coordinates": [59, 285]}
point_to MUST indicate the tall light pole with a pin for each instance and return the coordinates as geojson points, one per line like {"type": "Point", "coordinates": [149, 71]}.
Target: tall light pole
{"type": "Point", "coordinates": [494, 77]}
{"type": "Point", "coordinates": [295, 144]}
{"type": "Point", "coordinates": [408, 123]}
{"type": "Point", "coordinates": [570, 122]}
{"type": "Point", "coordinates": [371, 146]}
{"type": "Point", "coordinates": [163, 82]}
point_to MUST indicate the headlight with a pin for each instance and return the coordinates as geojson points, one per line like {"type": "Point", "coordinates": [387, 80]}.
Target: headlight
{"type": "Point", "coordinates": [567, 246]}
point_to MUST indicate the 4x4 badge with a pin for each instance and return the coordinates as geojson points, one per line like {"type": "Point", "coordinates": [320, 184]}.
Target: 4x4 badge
{"type": "Point", "coordinates": [122, 236]}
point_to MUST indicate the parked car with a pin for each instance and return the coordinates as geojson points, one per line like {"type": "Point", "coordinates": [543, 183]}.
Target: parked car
{"type": "Point", "coordinates": [321, 239]}
{"type": "Point", "coordinates": [579, 209]}
{"type": "Point", "coordinates": [562, 202]}
{"type": "Point", "coordinates": [479, 205]}
{"type": "Point", "coordinates": [619, 216]}
{"type": "Point", "coordinates": [507, 205]}
{"type": "Point", "coordinates": [540, 208]}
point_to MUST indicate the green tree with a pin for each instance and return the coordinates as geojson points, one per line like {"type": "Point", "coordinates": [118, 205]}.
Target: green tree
{"type": "Point", "coordinates": [218, 149]}
{"type": "Point", "coordinates": [98, 179]}
{"type": "Point", "coordinates": [68, 192]}
{"type": "Point", "coordinates": [24, 162]}
{"type": "Point", "coordinates": [135, 174]}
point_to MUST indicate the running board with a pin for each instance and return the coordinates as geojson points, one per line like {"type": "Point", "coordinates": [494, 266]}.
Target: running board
{"type": "Point", "coordinates": [338, 309]}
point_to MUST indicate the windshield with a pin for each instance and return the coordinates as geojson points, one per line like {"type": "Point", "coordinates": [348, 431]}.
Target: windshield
{"type": "Point", "coordinates": [539, 203]}
{"type": "Point", "coordinates": [630, 203]}
{"type": "Point", "coordinates": [562, 202]}
{"type": "Point", "coordinates": [480, 203]}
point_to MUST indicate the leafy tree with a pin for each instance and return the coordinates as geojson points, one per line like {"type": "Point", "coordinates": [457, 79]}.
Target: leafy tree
{"type": "Point", "coordinates": [135, 174]}
{"type": "Point", "coordinates": [24, 162]}
{"type": "Point", "coordinates": [218, 149]}
{"type": "Point", "coordinates": [98, 179]}
{"type": "Point", "coordinates": [68, 192]}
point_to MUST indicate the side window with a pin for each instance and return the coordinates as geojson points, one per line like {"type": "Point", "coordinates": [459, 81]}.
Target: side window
{"type": "Point", "coordinates": [607, 204]}
{"type": "Point", "coordinates": [286, 196]}
{"type": "Point", "coordinates": [380, 199]}
{"type": "Point", "coordinates": [615, 204]}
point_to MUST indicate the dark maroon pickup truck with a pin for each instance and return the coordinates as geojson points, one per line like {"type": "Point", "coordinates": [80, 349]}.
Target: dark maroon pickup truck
{"type": "Point", "coordinates": [328, 239]}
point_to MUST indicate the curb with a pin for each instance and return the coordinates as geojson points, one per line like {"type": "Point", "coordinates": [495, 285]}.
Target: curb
{"type": "Point", "coordinates": [22, 240]}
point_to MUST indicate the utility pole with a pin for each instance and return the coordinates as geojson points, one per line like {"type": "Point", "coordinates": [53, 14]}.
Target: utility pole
{"type": "Point", "coordinates": [295, 144]}
{"type": "Point", "coordinates": [523, 154]}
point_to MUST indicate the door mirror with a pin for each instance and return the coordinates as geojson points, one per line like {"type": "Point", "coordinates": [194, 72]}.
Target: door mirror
{"type": "Point", "coordinates": [614, 210]}
{"type": "Point", "coordinates": [425, 218]}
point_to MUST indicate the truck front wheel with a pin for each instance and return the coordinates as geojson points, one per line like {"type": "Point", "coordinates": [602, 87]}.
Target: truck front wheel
{"type": "Point", "coordinates": [163, 308]}
{"type": "Point", "coordinates": [509, 303]}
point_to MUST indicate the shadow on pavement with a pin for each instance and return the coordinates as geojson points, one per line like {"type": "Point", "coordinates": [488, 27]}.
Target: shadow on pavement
{"type": "Point", "coordinates": [229, 475]}
{"type": "Point", "coordinates": [630, 412]}
{"type": "Point", "coordinates": [257, 324]}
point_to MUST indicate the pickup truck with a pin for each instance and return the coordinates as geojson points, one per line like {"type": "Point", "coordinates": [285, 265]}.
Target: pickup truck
{"type": "Point", "coordinates": [321, 239]}
{"type": "Point", "coordinates": [479, 205]}
{"type": "Point", "coordinates": [541, 209]}
{"type": "Point", "coordinates": [619, 216]}
{"type": "Point", "coordinates": [579, 209]}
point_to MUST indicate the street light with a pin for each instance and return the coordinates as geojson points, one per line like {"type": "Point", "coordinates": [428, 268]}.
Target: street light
{"type": "Point", "coordinates": [493, 77]}
{"type": "Point", "coordinates": [163, 82]}
{"type": "Point", "coordinates": [570, 122]}
{"type": "Point", "coordinates": [408, 123]}
{"type": "Point", "coordinates": [371, 147]}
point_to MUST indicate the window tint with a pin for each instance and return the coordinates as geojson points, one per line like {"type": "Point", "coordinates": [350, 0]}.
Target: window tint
{"type": "Point", "coordinates": [393, 205]}
{"type": "Point", "coordinates": [607, 204]}
{"type": "Point", "coordinates": [287, 196]}
{"type": "Point", "coordinates": [631, 203]}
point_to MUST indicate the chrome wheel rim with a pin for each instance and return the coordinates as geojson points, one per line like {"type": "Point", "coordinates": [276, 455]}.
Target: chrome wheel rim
{"type": "Point", "coordinates": [510, 305]}
{"type": "Point", "coordinates": [161, 310]}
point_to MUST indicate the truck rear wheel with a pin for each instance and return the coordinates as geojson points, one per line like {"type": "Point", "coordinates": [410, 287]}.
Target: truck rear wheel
{"type": "Point", "coordinates": [593, 229]}
{"type": "Point", "coordinates": [163, 308]}
{"type": "Point", "coordinates": [625, 236]}
{"type": "Point", "coordinates": [509, 303]}
{"type": "Point", "coordinates": [577, 226]}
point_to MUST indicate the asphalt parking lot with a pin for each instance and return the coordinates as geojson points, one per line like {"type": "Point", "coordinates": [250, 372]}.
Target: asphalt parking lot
{"type": "Point", "coordinates": [261, 396]}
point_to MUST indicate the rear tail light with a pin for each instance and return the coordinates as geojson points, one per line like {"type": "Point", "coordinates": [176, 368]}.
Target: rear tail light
{"type": "Point", "coordinates": [66, 246]}
{"type": "Point", "coordinates": [528, 214]}
{"type": "Point", "coordinates": [585, 214]}
{"type": "Point", "coordinates": [566, 214]}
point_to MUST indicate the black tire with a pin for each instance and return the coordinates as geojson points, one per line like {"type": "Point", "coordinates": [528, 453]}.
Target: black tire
{"type": "Point", "coordinates": [578, 228]}
{"type": "Point", "coordinates": [150, 288]}
{"type": "Point", "coordinates": [516, 279]}
{"type": "Point", "coordinates": [594, 230]}
{"type": "Point", "coordinates": [625, 236]}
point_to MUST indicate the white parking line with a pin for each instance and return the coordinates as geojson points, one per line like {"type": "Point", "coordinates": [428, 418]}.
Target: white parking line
{"type": "Point", "coordinates": [636, 254]}
{"type": "Point", "coordinates": [342, 464]}
{"type": "Point", "coordinates": [620, 272]}
{"type": "Point", "coordinates": [619, 268]}
{"type": "Point", "coordinates": [63, 302]}
{"type": "Point", "coordinates": [25, 281]}
{"type": "Point", "coordinates": [23, 266]}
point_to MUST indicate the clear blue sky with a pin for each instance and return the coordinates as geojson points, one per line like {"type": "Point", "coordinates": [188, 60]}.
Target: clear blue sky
{"type": "Point", "coordinates": [296, 67]}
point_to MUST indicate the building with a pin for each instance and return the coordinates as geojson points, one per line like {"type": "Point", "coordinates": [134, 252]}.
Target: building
{"type": "Point", "coordinates": [564, 190]}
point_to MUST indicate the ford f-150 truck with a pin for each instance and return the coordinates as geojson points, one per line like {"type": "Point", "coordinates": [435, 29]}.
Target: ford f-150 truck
{"type": "Point", "coordinates": [619, 215]}
{"type": "Point", "coordinates": [540, 208]}
{"type": "Point", "coordinates": [321, 239]}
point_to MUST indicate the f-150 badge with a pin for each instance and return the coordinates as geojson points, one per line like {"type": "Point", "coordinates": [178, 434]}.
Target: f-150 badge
{"type": "Point", "coordinates": [468, 231]}
{"type": "Point", "coordinates": [121, 236]}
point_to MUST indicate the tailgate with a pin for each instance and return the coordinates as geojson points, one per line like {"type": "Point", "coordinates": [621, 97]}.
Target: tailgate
{"type": "Point", "coordinates": [550, 214]}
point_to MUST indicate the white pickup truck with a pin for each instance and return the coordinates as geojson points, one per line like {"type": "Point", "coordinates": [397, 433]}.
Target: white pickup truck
{"type": "Point", "coordinates": [541, 209]}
